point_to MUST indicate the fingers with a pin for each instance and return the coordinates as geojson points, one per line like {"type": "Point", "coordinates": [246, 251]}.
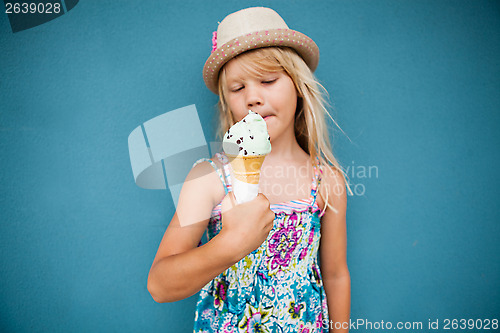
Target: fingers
{"type": "Point", "coordinates": [229, 202]}
{"type": "Point", "coordinates": [262, 197]}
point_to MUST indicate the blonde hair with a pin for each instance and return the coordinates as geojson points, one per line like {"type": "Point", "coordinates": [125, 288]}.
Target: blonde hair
{"type": "Point", "coordinates": [311, 130]}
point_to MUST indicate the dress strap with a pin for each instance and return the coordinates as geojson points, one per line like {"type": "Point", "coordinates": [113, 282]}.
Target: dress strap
{"type": "Point", "coordinates": [227, 174]}
{"type": "Point", "coordinates": [217, 169]}
{"type": "Point", "coordinates": [316, 181]}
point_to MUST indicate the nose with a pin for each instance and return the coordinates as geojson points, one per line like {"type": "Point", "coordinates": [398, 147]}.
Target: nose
{"type": "Point", "coordinates": [254, 96]}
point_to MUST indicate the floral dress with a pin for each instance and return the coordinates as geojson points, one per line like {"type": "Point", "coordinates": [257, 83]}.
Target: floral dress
{"type": "Point", "coordinates": [278, 287]}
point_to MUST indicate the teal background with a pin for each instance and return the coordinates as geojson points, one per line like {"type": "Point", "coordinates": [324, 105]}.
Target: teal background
{"type": "Point", "coordinates": [414, 85]}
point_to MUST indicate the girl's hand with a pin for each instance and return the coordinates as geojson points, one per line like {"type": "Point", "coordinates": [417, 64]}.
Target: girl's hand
{"type": "Point", "coordinates": [245, 226]}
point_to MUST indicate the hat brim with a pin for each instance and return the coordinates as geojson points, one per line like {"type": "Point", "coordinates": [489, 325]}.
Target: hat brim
{"type": "Point", "coordinates": [304, 46]}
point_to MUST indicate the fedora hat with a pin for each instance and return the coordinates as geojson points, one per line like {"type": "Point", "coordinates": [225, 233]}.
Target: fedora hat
{"type": "Point", "coordinates": [250, 29]}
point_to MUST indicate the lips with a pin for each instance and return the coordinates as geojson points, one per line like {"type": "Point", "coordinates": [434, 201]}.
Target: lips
{"type": "Point", "coordinates": [263, 114]}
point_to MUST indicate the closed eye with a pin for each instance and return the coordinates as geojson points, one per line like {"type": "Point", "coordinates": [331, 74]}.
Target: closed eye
{"type": "Point", "coordinates": [237, 89]}
{"type": "Point", "coordinates": [269, 81]}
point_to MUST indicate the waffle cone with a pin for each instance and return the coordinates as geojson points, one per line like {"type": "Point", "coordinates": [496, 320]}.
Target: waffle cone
{"type": "Point", "coordinates": [247, 168]}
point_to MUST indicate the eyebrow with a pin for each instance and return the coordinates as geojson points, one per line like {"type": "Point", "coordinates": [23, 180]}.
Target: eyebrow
{"type": "Point", "coordinates": [231, 79]}
{"type": "Point", "coordinates": [242, 78]}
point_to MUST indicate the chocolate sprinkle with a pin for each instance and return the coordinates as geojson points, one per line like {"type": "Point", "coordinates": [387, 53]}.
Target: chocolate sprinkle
{"type": "Point", "coordinates": [241, 148]}
{"type": "Point", "coordinates": [238, 141]}
{"type": "Point", "coordinates": [251, 137]}
{"type": "Point", "coordinates": [246, 152]}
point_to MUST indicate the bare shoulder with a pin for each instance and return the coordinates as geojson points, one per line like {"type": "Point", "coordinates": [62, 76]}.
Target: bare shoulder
{"type": "Point", "coordinates": [332, 188]}
{"type": "Point", "coordinates": [200, 190]}
{"type": "Point", "coordinates": [203, 179]}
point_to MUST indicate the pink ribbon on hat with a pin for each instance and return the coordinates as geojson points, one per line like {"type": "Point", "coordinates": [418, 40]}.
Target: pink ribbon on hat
{"type": "Point", "coordinates": [214, 41]}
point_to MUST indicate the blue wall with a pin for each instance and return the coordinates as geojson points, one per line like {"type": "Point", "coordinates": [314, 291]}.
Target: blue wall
{"type": "Point", "coordinates": [415, 87]}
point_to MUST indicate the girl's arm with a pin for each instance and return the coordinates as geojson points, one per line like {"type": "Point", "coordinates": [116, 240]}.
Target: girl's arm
{"type": "Point", "coordinates": [181, 268]}
{"type": "Point", "coordinates": [333, 244]}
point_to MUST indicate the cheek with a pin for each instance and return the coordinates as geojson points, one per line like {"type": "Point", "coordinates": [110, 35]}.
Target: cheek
{"type": "Point", "coordinates": [290, 102]}
{"type": "Point", "coordinates": [235, 108]}
{"type": "Point", "coordinates": [288, 90]}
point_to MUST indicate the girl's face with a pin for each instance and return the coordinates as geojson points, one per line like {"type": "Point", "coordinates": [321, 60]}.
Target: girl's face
{"type": "Point", "coordinates": [272, 95]}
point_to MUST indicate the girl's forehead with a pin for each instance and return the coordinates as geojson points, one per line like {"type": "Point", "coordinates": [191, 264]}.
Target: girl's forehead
{"type": "Point", "coordinates": [237, 69]}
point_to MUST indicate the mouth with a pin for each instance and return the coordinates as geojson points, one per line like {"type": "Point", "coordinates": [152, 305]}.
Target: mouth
{"type": "Point", "coordinates": [264, 115]}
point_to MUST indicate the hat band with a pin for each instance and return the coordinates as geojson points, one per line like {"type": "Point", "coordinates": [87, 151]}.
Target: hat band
{"type": "Point", "coordinates": [214, 41]}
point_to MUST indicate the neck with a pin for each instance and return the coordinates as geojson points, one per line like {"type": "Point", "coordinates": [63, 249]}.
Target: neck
{"type": "Point", "coordinates": [285, 148]}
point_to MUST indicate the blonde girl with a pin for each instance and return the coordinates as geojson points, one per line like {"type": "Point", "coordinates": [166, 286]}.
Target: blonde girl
{"type": "Point", "coordinates": [278, 262]}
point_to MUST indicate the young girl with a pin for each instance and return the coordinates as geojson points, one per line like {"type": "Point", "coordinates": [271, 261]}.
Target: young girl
{"type": "Point", "coordinates": [278, 262]}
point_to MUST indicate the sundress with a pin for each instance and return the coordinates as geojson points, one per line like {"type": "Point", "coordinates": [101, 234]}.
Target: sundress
{"type": "Point", "coordinates": [278, 287]}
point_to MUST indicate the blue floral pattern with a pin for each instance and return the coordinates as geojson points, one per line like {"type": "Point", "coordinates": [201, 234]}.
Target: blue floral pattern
{"type": "Point", "coordinates": [276, 288]}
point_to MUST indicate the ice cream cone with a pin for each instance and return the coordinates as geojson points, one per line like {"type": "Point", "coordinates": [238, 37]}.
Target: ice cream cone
{"type": "Point", "coordinates": [246, 144]}
{"type": "Point", "coordinates": [247, 168]}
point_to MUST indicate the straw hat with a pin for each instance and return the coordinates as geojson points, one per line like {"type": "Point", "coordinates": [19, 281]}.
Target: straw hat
{"type": "Point", "coordinates": [250, 29]}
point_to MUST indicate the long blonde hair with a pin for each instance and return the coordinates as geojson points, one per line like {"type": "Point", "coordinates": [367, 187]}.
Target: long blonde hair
{"type": "Point", "coordinates": [311, 130]}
